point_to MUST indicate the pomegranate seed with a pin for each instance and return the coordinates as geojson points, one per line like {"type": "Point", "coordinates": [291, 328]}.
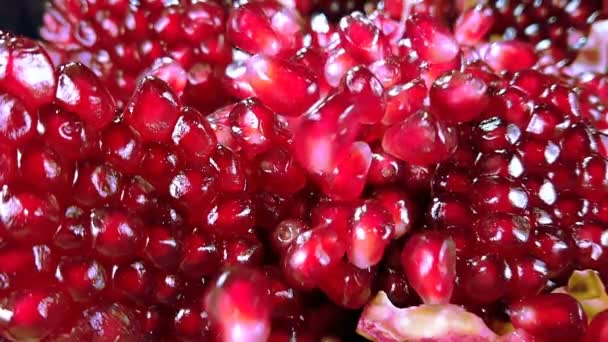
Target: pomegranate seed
{"type": "Point", "coordinates": [153, 110]}
{"type": "Point", "coordinates": [567, 319]}
{"type": "Point", "coordinates": [116, 235]}
{"type": "Point", "coordinates": [362, 38]}
{"type": "Point", "coordinates": [80, 92]}
{"type": "Point", "coordinates": [264, 74]}
{"type": "Point", "coordinates": [483, 278]}
{"type": "Point", "coordinates": [239, 305]}
{"type": "Point", "coordinates": [429, 262]}
{"type": "Point", "coordinates": [35, 313]}
{"type": "Point", "coordinates": [252, 126]}
{"type": "Point", "coordinates": [462, 95]}
{"type": "Point", "coordinates": [404, 100]}
{"type": "Point", "coordinates": [312, 255]}
{"type": "Point", "coordinates": [432, 41]}
{"type": "Point", "coordinates": [420, 140]}
{"type": "Point", "coordinates": [193, 137]}
{"type": "Point", "coordinates": [348, 286]}
{"type": "Point", "coordinates": [597, 329]}
{"type": "Point", "coordinates": [509, 56]}
{"type": "Point", "coordinates": [23, 59]}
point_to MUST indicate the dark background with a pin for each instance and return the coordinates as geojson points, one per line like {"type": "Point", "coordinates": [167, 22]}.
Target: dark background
{"type": "Point", "coordinates": [21, 16]}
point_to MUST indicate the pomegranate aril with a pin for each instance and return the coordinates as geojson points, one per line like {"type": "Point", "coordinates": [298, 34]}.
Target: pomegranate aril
{"type": "Point", "coordinates": [285, 234]}
{"type": "Point", "coordinates": [139, 196]}
{"type": "Point", "coordinates": [420, 140]}
{"type": "Point", "coordinates": [162, 247]}
{"type": "Point", "coordinates": [337, 63]}
{"type": "Point", "coordinates": [191, 322]}
{"type": "Point", "coordinates": [112, 321]}
{"type": "Point", "coordinates": [389, 71]}
{"type": "Point", "coordinates": [132, 281]}
{"type": "Point", "coordinates": [17, 123]}
{"type": "Point", "coordinates": [167, 288]}
{"type": "Point", "coordinates": [66, 133]}
{"type": "Point", "coordinates": [230, 216]}
{"type": "Point", "coordinates": [238, 305]}
{"type": "Point", "coordinates": [509, 56]}
{"type": "Point", "coordinates": [266, 73]}
{"type": "Point", "coordinates": [231, 170]}
{"type": "Point", "coordinates": [250, 28]}
{"type": "Point", "coordinates": [83, 278]}
{"type": "Point", "coordinates": [97, 185]}
{"type": "Point", "coordinates": [403, 100]}
{"type": "Point", "coordinates": [590, 245]}
{"type": "Point", "coordinates": [550, 316]}
{"type": "Point", "coordinates": [598, 328]}
{"type": "Point", "coordinates": [73, 233]}
{"type": "Point", "coordinates": [116, 235]}
{"type": "Point", "coordinates": [279, 173]}
{"type": "Point", "coordinates": [45, 170]}
{"type": "Point", "coordinates": [347, 179]}
{"type": "Point", "coordinates": [555, 248]}
{"type": "Point", "coordinates": [432, 41]}
{"type": "Point", "coordinates": [27, 71]}
{"type": "Point", "coordinates": [429, 262]}
{"type": "Point", "coordinates": [482, 278]}
{"type": "Point", "coordinates": [528, 277]}
{"type": "Point", "coordinates": [33, 314]}
{"type": "Point", "coordinates": [193, 189]}
{"type": "Point", "coordinates": [200, 255]}
{"type": "Point", "coordinates": [79, 91]}
{"type": "Point", "coordinates": [362, 38]}
{"type": "Point", "coordinates": [503, 232]}
{"type": "Point", "coordinates": [28, 217]}
{"type": "Point", "coordinates": [326, 133]}
{"type": "Point", "coordinates": [245, 251]}
{"type": "Point", "coordinates": [153, 110]}
{"type": "Point", "coordinates": [193, 138]}
{"type": "Point", "coordinates": [312, 255]}
{"type": "Point", "coordinates": [158, 166]}
{"type": "Point", "coordinates": [472, 25]}
{"type": "Point", "coordinates": [370, 231]}
{"type": "Point", "coordinates": [252, 125]}
{"type": "Point", "coordinates": [122, 148]}
{"type": "Point", "coordinates": [348, 285]}
{"type": "Point", "coordinates": [367, 94]}
{"type": "Point", "coordinates": [458, 97]}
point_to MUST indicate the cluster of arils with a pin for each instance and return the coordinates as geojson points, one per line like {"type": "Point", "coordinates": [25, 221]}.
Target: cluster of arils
{"type": "Point", "coordinates": [198, 170]}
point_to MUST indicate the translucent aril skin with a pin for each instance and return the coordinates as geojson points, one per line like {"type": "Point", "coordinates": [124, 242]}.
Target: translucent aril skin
{"type": "Point", "coordinates": [192, 170]}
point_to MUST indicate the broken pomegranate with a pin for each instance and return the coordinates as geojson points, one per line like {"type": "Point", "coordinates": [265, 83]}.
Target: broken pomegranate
{"type": "Point", "coordinates": [298, 170]}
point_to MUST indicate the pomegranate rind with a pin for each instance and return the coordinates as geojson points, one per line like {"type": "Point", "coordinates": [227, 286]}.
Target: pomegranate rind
{"type": "Point", "coordinates": [587, 287]}
{"type": "Point", "coordinates": [593, 57]}
{"type": "Point", "coordinates": [381, 321]}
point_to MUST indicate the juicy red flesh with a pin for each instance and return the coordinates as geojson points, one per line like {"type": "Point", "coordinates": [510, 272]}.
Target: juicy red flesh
{"type": "Point", "coordinates": [201, 170]}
